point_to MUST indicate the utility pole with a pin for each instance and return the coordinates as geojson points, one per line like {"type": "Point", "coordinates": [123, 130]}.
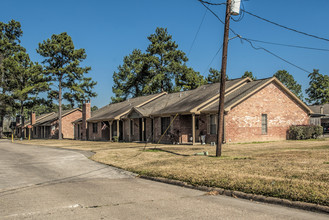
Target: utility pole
{"type": "Point", "coordinates": [220, 124]}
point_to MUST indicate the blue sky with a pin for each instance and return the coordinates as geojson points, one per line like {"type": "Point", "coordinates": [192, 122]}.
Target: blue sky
{"type": "Point", "coordinates": [109, 30]}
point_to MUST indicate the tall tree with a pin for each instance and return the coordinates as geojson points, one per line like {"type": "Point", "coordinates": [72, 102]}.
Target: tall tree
{"type": "Point", "coordinates": [62, 65]}
{"type": "Point", "coordinates": [214, 76]}
{"type": "Point", "coordinates": [132, 77]}
{"type": "Point", "coordinates": [167, 64]}
{"type": "Point", "coordinates": [288, 80]}
{"type": "Point", "coordinates": [9, 44]}
{"type": "Point", "coordinates": [161, 68]}
{"type": "Point", "coordinates": [26, 83]}
{"type": "Point", "coordinates": [249, 74]}
{"type": "Point", "coordinates": [318, 90]}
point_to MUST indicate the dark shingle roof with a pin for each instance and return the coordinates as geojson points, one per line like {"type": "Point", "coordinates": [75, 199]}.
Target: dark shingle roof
{"type": "Point", "coordinates": [111, 111]}
{"type": "Point", "coordinates": [46, 121]}
{"type": "Point", "coordinates": [185, 101]}
{"type": "Point", "coordinates": [317, 108]}
{"type": "Point", "coordinates": [238, 94]}
{"type": "Point", "coordinates": [38, 118]}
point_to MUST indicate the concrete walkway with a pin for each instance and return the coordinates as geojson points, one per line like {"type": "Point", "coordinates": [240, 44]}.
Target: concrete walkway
{"type": "Point", "coordinates": [47, 183]}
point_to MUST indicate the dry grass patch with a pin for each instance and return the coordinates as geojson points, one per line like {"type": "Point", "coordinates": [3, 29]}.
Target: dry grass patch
{"type": "Point", "coordinates": [295, 170]}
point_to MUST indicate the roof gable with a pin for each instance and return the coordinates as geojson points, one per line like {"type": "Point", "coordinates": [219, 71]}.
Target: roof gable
{"type": "Point", "coordinates": [116, 110]}
{"type": "Point", "coordinates": [186, 102]}
{"type": "Point", "coordinates": [250, 89]}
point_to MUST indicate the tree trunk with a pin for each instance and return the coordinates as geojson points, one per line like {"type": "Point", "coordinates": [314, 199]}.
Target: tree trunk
{"type": "Point", "coordinates": [22, 120]}
{"type": "Point", "coordinates": [60, 110]}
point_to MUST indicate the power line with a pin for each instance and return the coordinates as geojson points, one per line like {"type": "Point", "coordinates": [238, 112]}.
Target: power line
{"type": "Point", "coordinates": [273, 54]}
{"type": "Point", "coordinates": [212, 60]}
{"type": "Point", "coordinates": [210, 3]}
{"type": "Point", "coordinates": [202, 2]}
{"type": "Point", "coordinates": [287, 45]}
{"type": "Point", "coordinates": [197, 33]}
{"type": "Point", "coordinates": [288, 28]}
{"type": "Point", "coordinates": [256, 48]}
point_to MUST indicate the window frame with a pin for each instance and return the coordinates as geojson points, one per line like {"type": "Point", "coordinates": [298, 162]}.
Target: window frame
{"type": "Point", "coordinates": [95, 127]}
{"type": "Point", "coordinates": [165, 122]}
{"type": "Point", "coordinates": [213, 124]}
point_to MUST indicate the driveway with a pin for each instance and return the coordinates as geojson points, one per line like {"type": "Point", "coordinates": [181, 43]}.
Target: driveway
{"type": "Point", "coordinates": [48, 183]}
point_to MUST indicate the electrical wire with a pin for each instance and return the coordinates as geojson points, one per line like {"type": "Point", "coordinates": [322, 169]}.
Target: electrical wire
{"type": "Point", "coordinates": [210, 3]}
{"type": "Point", "coordinates": [288, 45]}
{"type": "Point", "coordinates": [216, 16]}
{"type": "Point", "coordinates": [197, 33]}
{"type": "Point", "coordinates": [252, 45]}
{"type": "Point", "coordinates": [212, 60]}
{"type": "Point", "coordinates": [285, 27]}
{"type": "Point", "coordinates": [273, 54]}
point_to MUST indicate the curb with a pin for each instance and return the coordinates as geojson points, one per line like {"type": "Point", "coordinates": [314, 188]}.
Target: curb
{"type": "Point", "coordinates": [242, 195]}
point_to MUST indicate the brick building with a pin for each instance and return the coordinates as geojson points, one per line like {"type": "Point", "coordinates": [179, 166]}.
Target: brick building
{"type": "Point", "coordinates": [254, 111]}
{"type": "Point", "coordinates": [46, 126]}
{"type": "Point", "coordinates": [109, 122]}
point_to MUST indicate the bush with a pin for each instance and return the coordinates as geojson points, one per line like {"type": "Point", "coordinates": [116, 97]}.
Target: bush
{"type": "Point", "coordinates": [302, 132]}
{"type": "Point", "coordinates": [115, 139]}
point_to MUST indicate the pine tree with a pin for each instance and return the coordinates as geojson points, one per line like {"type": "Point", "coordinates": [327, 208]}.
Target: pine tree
{"type": "Point", "coordinates": [25, 83]}
{"type": "Point", "coordinates": [318, 90]}
{"type": "Point", "coordinates": [249, 74]}
{"type": "Point", "coordinates": [132, 77]}
{"type": "Point", "coordinates": [167, 65]}
{"type": "Point", "coordinates": [9, 44]}
{"type": "Point", "coordinates": [161, 68]}
{"type": "Point", "coordinates": [288, 80]}
{"type": "Point", "coordinates": [214, 76]}
{"type": "Point", "coordinates": [62, 65]}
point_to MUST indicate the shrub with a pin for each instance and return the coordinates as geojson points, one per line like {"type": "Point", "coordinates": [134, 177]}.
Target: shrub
{"type": "Point", "coordinates": [302, 132]}
{"type": "Point", "coordinates": [115, 139]}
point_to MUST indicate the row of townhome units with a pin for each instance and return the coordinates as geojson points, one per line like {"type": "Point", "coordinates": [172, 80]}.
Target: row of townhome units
{"type": "Point", "coordinates": [259, 110]}
{"type": "Point", "coordinates": [45, 126]}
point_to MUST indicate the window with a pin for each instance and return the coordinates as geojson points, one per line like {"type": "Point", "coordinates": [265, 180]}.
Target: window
{"type": "Point", "coordinates": [165, 121]}
{"type": "Point", "coordinates": [213, 124]}
{"type": "Point", "coordinates": [264, 123]}
{"type": "Point", "coordinates": [94, 127]}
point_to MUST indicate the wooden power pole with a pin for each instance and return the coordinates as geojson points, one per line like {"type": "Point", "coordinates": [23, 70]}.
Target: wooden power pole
{"type": "Point", "coordinates": [220, 124]}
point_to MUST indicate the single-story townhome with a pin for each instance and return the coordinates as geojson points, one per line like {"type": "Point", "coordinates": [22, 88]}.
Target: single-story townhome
{"type": "Point", "coordinates": [45, 126]}
{"type": "Point", "coordinates": [107, 122]}
{"type": "Point", "coordinates": [259, 110]}
{"type": "Point", "coordinates": [320, 116]}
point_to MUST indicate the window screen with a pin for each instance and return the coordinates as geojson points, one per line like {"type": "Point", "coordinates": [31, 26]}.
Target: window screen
{"type": "Point", "coordinates": [94, 127]}
{"type": "Point", "coordinates": [165, 121]}
{"type": "Point", "coordinates": [212, 124]}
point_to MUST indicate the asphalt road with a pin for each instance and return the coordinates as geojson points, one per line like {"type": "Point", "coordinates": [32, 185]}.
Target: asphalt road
{"type": "Point", "coordinates": [47, 183]}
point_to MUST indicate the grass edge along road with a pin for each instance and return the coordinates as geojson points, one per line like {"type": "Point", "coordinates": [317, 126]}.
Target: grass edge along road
{"type": "Point", "coordinates": [294, 170]}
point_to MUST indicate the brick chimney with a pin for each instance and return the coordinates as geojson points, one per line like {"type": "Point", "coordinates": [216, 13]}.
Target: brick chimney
{"type": "Point", "coordinates": [86, 114]}
{"type": "Point", "coordinates": [321, 110]}
{"type": "Point", "coordinates": [32, 118]}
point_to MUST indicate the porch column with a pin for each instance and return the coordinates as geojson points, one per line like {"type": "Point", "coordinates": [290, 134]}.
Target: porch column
{"type": "Point", "coordinates": [44, 132]}
{"type": "Point", "coordinates": [129, 132]}
{"type": "Point", "coordinates": [118, 129]}
{"type": "Point", "coordinates": [123, 130]}
{"type": "Point", "coordinates": [110, 123]}
{"type": "Point", "coordinates": [193, 129]}
{"type": "Point", "coordinates": [143, 128]}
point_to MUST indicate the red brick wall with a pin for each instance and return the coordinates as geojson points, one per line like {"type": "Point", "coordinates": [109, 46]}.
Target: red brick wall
{"type": "Point", "coordinates": [67, 126]}
{"type": "Point", "coordinates": [243, 122]}
{"type": "Point", "coordinates": [95, 136]}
